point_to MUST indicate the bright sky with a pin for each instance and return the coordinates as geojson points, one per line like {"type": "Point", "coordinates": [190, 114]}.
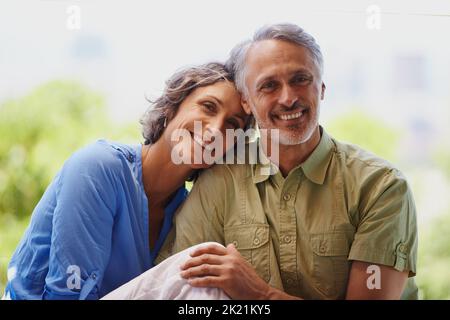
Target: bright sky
{"type": "Point", "coordinates": [127, 49]}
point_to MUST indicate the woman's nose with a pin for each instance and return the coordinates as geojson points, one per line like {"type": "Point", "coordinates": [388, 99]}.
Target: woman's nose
{"type": "Point", "coordinates": [214, 131]}
{"type": "Point", "coordinates": [216, 124]}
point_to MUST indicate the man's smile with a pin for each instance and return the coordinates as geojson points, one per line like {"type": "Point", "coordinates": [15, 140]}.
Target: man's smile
{"type": "Point", "coordinates": [291, 116]}
{"type": "Point", "coordinates": [296, 116]}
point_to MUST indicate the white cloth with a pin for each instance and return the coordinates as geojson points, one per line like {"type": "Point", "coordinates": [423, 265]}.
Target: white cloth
{"type": "Point", "coordinates": [163, 282]}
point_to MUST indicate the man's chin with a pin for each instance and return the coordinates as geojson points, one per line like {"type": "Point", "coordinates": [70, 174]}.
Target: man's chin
{"type": "Point", "coordinates": [289, 141]}
{"type": "Point", "coordinates": [288, 138]}
{"type": "Point", "coordinates": [295, 136]}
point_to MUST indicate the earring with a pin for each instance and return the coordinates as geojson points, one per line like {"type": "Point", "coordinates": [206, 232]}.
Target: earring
{"type": "Point", "coordinates": [165, 122]}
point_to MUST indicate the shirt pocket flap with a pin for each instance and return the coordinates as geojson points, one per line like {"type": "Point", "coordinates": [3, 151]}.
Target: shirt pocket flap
{"type": "Point", "coordinates": [249, 236]}
{"type": "Point", "coordinates": [330, 244]}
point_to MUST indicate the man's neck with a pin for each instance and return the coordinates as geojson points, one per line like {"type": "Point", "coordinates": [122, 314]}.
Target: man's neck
{"type": "Point", "coordinates": [290, 156]}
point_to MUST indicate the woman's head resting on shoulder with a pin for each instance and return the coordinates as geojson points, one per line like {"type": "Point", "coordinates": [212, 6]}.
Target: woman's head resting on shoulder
{"type": "Point", "coordinates": [199, 107]}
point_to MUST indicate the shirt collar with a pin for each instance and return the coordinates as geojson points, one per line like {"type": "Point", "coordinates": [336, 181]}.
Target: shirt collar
{"type": "Point", "coordinates": [314, 168]}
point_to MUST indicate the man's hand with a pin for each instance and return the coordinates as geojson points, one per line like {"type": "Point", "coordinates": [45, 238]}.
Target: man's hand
{"type": "Point", "coordinates": [225, 268]}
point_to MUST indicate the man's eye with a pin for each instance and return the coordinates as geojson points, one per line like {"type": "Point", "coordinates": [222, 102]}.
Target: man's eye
{"type": "Point", "coordinates": [301, 80]}
{"type": "Point", "coordinates": [269, 86]}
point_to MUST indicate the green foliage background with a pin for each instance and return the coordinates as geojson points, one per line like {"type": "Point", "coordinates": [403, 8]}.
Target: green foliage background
{"type": "Point", "coordinates": [39, 131]}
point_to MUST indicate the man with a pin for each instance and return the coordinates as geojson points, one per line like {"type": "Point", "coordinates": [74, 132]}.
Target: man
{"type": "Point", "coordinates": [334, 222]}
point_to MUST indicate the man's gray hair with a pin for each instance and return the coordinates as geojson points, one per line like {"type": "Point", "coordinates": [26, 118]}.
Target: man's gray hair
{"type": "Point", "coordinates": [284, 31]}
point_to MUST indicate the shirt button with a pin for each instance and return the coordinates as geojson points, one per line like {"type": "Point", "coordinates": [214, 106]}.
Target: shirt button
{"type": "Point", "coordinates": [402, 248]}
{"type": "Point", "coordinates": [323, 248]}
{"type": "Point", "coordinates": [256, 241]}
{"type": "Point", "coordinates": [286, 197]}
{"type": "Point", "coordinates": [235, 243]}
{"type": "Point", "coordinates": [287, 239]}
{"type": "Point", "coordinates": [290, 282]}
{"type": "Point", "coordinates": [94, 276]}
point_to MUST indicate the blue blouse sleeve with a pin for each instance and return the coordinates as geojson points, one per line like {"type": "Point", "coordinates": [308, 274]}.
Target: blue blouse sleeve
{"type": "Point", "coordinates": [82, 224]}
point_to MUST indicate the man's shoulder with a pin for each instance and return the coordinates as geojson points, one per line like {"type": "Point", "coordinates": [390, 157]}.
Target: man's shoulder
{"type": "Point", "coordinates": [221, 180]}
{"type": "Point", "coordinates": [226, 172]}
{"type": "Point", "coordinates": [363, 163]}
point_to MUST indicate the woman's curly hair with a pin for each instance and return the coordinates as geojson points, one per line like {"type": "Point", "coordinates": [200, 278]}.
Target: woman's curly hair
{"type": "Point", "coordinates": [178, 87]}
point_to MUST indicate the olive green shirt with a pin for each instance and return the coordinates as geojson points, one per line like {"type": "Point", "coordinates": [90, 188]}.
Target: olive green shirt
{"type": "Point", "coordinates": [302, 232]}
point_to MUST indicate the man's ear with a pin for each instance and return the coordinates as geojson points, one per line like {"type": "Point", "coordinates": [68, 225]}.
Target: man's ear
{"type": "Point", "coordinates": [245, 105]}
{"type": "Point", "coordinates": [322, 93]}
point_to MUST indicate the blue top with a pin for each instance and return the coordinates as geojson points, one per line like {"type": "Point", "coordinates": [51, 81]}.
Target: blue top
{"type": "Point", "coordinates": [89, 233]}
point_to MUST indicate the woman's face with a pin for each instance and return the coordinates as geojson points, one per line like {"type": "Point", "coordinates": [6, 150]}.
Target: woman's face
{"type": "Point", "coordinates": [197, 133]}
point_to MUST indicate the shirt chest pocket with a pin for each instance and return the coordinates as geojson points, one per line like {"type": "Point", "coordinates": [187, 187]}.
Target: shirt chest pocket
{"type": "Point", "coordinates": [252, 242]}
{"type": "Point", "coordinates": [330, 263]}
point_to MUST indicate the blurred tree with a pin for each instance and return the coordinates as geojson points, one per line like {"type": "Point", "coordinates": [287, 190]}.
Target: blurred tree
{"type": "Point", "coordinates": [41, 130]}
{"type": "Point", "coordinates": [38, 132]}
{"type": "Point", "coordinates": [434, 259]}
{"type": "Point", "coordinates": [364, 130]}
{"type": "Point", "coordinates": [441, 157]}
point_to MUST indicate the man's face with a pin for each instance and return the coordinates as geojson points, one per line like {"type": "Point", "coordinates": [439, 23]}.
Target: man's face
{"type": "Point", "coordinates": [284, 89]}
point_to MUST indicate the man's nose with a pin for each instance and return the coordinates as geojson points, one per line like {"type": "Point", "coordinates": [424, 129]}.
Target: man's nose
{"type": "Point", "coordinates": [288, 96]}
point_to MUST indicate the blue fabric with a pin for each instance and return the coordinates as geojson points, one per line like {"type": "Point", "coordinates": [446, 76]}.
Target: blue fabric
{"type": "Point", "coordinates": [94, 217]}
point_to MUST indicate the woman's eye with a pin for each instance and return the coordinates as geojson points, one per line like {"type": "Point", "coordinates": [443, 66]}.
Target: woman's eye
{"type": "Point", "coordinates": [233, 124]}
{"type": "Point", "coordinates": [210, 106]}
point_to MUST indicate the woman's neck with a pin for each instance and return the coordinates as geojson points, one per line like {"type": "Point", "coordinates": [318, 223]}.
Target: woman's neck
{"type": "Point", "coordinates": [161, 177]}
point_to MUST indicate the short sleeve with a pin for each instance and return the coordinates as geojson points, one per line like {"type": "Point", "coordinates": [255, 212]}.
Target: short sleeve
{"type": "Point", "coordinates": [387, 231]}
{"type": "Point", "coordinates": [82, 224]}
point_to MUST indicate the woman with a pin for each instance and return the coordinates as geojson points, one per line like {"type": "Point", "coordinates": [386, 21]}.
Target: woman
{"type": "Point", "coordinates": [104, 217]}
